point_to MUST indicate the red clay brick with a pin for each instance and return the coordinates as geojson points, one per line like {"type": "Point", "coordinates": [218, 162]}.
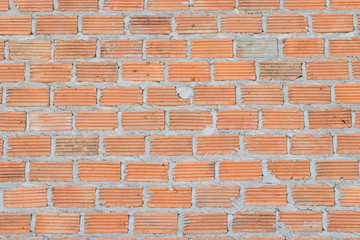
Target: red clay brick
{"type": "Point", "coordinates": [103, 24]}
{"type": "Point", "coordinates": [124, 145]}
{"type": "Point", "coordinates": [64, 223]}
{"type": "Point", "coordinates": [150, 223]}
{"type": "Point", "coordinates": [204, 223]}
{"type": "Point", "coordinates": [146, 172]}
{"type": "Point", "coordinates": [99, 171]}
{"type": "Point", "coordinates": [217, 144]}
{"type": "Point", "coordinates": [254, 222]}
{"type": "Point", "coordinates": [287, 23]}
{"type": "Point", "coordinates": [99, 222]}
{"type": "Point", "coordinates": [24, 197]}
{"type": "Point", "coordinates": [56, 24]}
{"type": "Point", "coordinates": [266, 196]}
{"type": "Point", "coordinates": [196, 24]}
{"type": "Point", "coordinates": [121, 196]}
{"type": "Point", "coordinates": [194, 171]}
{"type": "Point", "coordinates": [96, 120]}
{"type": "Point", "coordinates": [51, 171]}
{"type": "Point", "coordinates": [171, 145]}
{"type": "Point", "coordinates": [31, 146]}
{"type": "Point", "coordinates": [241, 23]}
{"type": "Point", "coordinates": [301, 221]}
{"type": "Point", "coordinates": [163, 197]}
{"type": "Point", "coordinates": [240, 171]}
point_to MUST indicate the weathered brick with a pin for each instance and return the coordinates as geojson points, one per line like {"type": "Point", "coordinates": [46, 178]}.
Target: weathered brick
{"type": "Point", "coordinates": [145, 24]}
{"type": "Point", "coordinates": [121, 48]}
{"type": "Point", "coordinates": [96, 120]}
{"type": "Point", "coordinates": [318, 195]}
{"type": "Point", "coordinates": [256, 48]}
{"type": "Point", "coordinates": [30, 49]}
{"type": "Point", "coordinates": [254, 222]}
{"type": "Point", "coordinates": [301, 221]}
{"type": "Point", "coordinates": [203, 223]}
{"type": "Point", "coordinates": [150, 223]}
{"type": "Point", "coordinates": [216, 196]}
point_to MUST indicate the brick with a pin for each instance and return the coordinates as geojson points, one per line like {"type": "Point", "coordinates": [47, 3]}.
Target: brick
{"type": "Point", "coordinates": [344, 47]}
{"type": "Point", "coordinates": [50, 121]}
{"type": "Point", "coordinates": [49, 72]}
{"type": "Point", "coordinates": [214, 5]}
{"type": "Point", "coordinates": [189, 120]}
{"type": "Point", "coordinates": [75, 49]}
{"type": "Point", "coordinates": [163, 197]}
{"type": "Point", "coordinates": [350, 196]}
{"type": "Point", "coordinates": [214, 95]}
{"type": "Point", "coordinates": [96, 120]}
{"type": "Point", "coordinates": [280, 70]}
{"type": "Point", "coordinates": [12, 171]}
{"type": "Point", "coordinates": [15, 25]}
{"type": "Point", "coordinates": [196, 24]}
{"type": "Point", "coordinates": [217, 144]}
{"type": "Point", "coordinates": [262, 94]}
{"type": "Point", "coordinates": [240, 171]}
{"type": "Point", "coordinates": [151, 223]}
{"type": "Point", "coordinates": [266, 196]}
{"type": "Point", "coordinates": [51, 171]}
{"type": "Point", "coordinates": [306, 144]}
{"type": "Point", "coordinates": [327, 70]}
{"type": "Point", "coordinates": [96, 72]}
{"type": "Point", "coordinates": [24, 197]}
{"type": "Point", "coordinates": [165, 48]}
{"type": "Point", "coordinates": [2, 49]}
{"type": "Point", "coordinates": [103, 24]}
{"type": "Point", "coordinates": [266, 144]}
{"type": "Point", "coordinates": [79, 5]}
{"type": "Point", "coordinates": [194, 171]}
{"type": "Point", "coordinates": [12, 72]}
{"type": "Point", "coordinates": [328, 23]}
{"type": "Point", "coordinates": [171, 145]}
{"type": "Point", "coordinates": [31, 146]}
{"type": "Point", "coordinates": [29, 49]}
{"type": "Point", "coordinates": [31, 6]}
{"type": "Point", "coordinates": [301, 221]}
{"type": "Point", "coordinates": [56, 24]}
{"type": "Point", "coordinates": [241, 23]}
{"type": "Point", "coordinates": [124, 145]}
{"type": "Point", "coordinates": [142, 24]}
{"type": "Point", "coordinates": [287, 169]}
{"type": "Point", "coordinates": [205, 223]}
{"type": "Point", "coordinates": [121, 49]}
{"type": "Point", "coordinates": [165, 96]}
{"type": "Point", "coordinates": [121, 196]}
{"type": "Point", "coordinates": [231, 70]}
{"type": "Point", "coordinates": [259, 5]}
{"type": "Point", "coordinates": [189, 71]}
{"type": "Point", "coordinates": [356, 69]}
{"type": "Point", "coordinates": [309, 94]}
{"type": "Point", "coordinates": [300, 5]}
{"type": "Point", "coordinates": [27, 97]}
{"type": "Point", "coordinates": [315, 195]}
{"type": "Point", "coordinates": [143, 120]}
{"type": "Point", "coordinates": [347, 4]}
{"type": "Point", "coordinates": [256, 48]}
{"type": "Point", "coordinates": [282, 119]}
{"type": "Point", "coordinates": [286, 23]}
{"type": "Point", "coordinates": [337, 169]}
{"type": "Point", "coordinates": [347, 93]}
{"type": "Point", "coordinates": [76, 145]}
{"type": "Point", "coordinates": [99, 222]}
{"type": "Point", "coordinates": [64, 223]}
{"type": "Point", "coordinates": [15, 223]}
{"type": "Point", "coordinates": [303, 47]}
{"type": "Point", "coordinates": [212, 48]}
{"type": "Point", "coordinates": [143, 71]}
{"type": "Point", "coordinates": [81, 96]}
{"type": "Point", "coordinates": [115, 96]}
{"type": "Point", "coordinates": [348, 143]}
{"type": "Point", "coordinates": [344, 221]}
{"type": "Point", "coordinates": [216, 196]}
{"type": "Point", "coordinates": [254, 222]}
{"type": "Point", "coordinates": [329, 118]}
{"type": "Point", "coordinates": [73, 196]}
{"type": "Point", "coordinates": [12, 121]}
{"type": "Point", "coordinates": [4, 5]}
{"type": "Point", "coordinates": [99, 171]}
{"type": "Point", "coordinates": [123, 5]}
{"type": "Point", "coordinates": [165, 5]}
{"type": "Point", "coordinates": [146, 172]}
{"type": "Point", "coordinates": [237, 119]}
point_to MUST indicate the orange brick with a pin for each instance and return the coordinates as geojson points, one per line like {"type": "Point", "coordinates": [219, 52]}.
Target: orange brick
{"type": "Point", "coordinates": [350, 196]}
{"type": "Point", "coordinates": [4, 5]}
{"type": "Point", "coordinates": [15, 223]}
{"type": "Point", "coordinates": [234, 70]}
{"type": "Point", "coordinates": [49, 72]}
{"type": "Point", "coordinates": [344, 4]}
{"type": "Point", "coordinates": [99, 222]}
{"type": "Point", "coordinates": [159, 223]}
{"type": "Point", "coordinates": [214, 5]}
{"type": "Point", "coordinates": [64, 223]}
{"type": "Point", "coordinates": [309, 94]}
{"type": "Point", "coordinates": [287, 169]}
{"type": "Point", "coordinates": [31, 146]}
{"type": "Point", "coordinates": [212, 48]}
{"type": "Point", "coordinates": [171, 145]}
{"type": "Point", "coordinates": [166, 5]}
{"type": "Point", "coordinates": [81, 96]}
{"type": "Point", "coordinates": [241, 23]}
{"type": "Point", "coordinates": [275, 70]}
{"type": "Point", "coordinates": [31, 6]}
{"type": "Point", "coordinates": [266, 144]}
{"type": "Point", "coordinates": [143, 120]}
{"type": "Point", "coordinates": [286, 23]}
{"type": "Point", "coordinates": [214, 95]}
{"type": "Point", "coordinates": [51, 171]}
{"type": "Point", "coordinates": [216, 196]}
{"type": "Point", "coordinates": [123, 5]}
{"type": "Point", "coordinates": [301, 221]}
{"type": "Point", "coordinates": [24, 197]}
{"type": "Point", "coordinates": [357, 120]}
{"type": "Point", "coordinates": [79, 5]}
{"type": "Point", "coordinates": [76, 145]}
{"type": "Point", "coordinates": [73, 196]}
{"type": "Point", "coordinates": [282, 119]}
{"type": "Point", "coordinates": [337, 169]}
{"type": "Point", "coordinates": [189, 120]}
{"type": "Point", "coordinates": [121, 196]}
{"type": "Point", "coordinates": [259, 5]}
{"type": "Point", "coordinates": [303, 47]}
{"type": "Point", "coordinates": [240, 171]}
{"type": "Point", "coordinates": [103, 24]}
{"type": "Point", "coordinates": [344, 47]}
{"type": "Point", "coordinates": [347, 93]}
{"type": "Point", "coordinates": [15, 25]}
{"type": "Point", "coordinates": [123, 48]}
{"type": "Point", "coordinates": [75, 49]}
{"type": "Point", "coordinates": [348, 143]}
{"type": "Point", "coordinates": [329, 118]}
{"type": "Point", "coordinates": [165, 48]}
{"type": "Point", "coordinates": [237, 119]}
{"type": "Point", "coordinates": [27, 97]}
{"type": "Point", "coordinates": [124, 145]}
{"type": "Point", "coordinates": [266, 196]}
{"type": "Point", "coordinates": [305, 144]}
{"type": "Point", "coordinates": [326, 23]}
{"type": "Point", "coordinates": [96, 120]}
{"type": "Point", "coordinates": [262, 94]}
{"type": "Point", "coordinates": [189, 71]}
{"type": "Point", "coordinates": [146, 172]}
{"type": "Point", "coordinates": [327, 70]}
{"type": "Point", "coordinates": [12, 121]}
{"type": "Point", "coordinates": [50, 121]}
{"type": "Point", "coordinates": [99, 171]}
{"type": "Point", "coordinates": [143, 71]}
{"type": "Point", "coordinates": [217, 144]}
{"type": "Point", "coordinates": [56, 24]}
{"type": "Point", "coordinates": [30, 49]}
{"type": "Point", "coordinates": [115, 96]}
{"type": "Point", "coordinates": [194, 171]}
{"type": "Point", "coordinates": [301, 5]}
{"type": "Point", "coordinates": [344, 221]}
{"type": "Point", "coordinates": [356, 68]}
{"type": "Point", "coordinates": [317, 195]}
{"type": "Point", "coordinates": [254, 222]}
{"type": "Point", "coordinates": [196, 24]}
{"type": "Point", "coordinates": [2, 49]}
{"type": "Point", "coordinates": [11, 171]}
{"type": "Point", "coordinates": [96, 72]}
{"type": "Point", "coordinates": [12, 72]}
{"type": "Point", "coordinates": [205, 223]}
{"type": "Point", "coordinates": [165, 96]}
{"type": "Point", "coordinates": [145, 24]}
{"type": "Point", "coordinates": [163, 197]}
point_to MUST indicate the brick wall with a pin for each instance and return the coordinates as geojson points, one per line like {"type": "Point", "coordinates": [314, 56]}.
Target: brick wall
{"type": "Point", "coordinates": [180, 119]}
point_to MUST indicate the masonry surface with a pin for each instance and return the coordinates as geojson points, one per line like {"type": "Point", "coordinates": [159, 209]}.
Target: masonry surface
{"type": "Point", "coordinates": [179, 119]}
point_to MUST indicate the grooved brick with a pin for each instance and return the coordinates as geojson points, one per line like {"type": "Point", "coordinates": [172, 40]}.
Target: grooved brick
{"type": "Point", "coordinates": [50, 121]}
{"type": "Point", "coordinates": [301, 221]}
{"type": "Point", "coordinates": [212, 48]}
{"type": "Point", "coordinates": [144, 120]}
{"type": "Point", "coordinates": [78, 5]}
{"type": "Point", "coordinates": [165, 48]}
{"type": "Point", "coordinates": [344, 4]}
{"type": "Point", "coordinates": [73, 196]}
{"type": "Point", "coordinates": [327, 70]}
{"type": "Point", "coordinates": [266, 196]}
{"type": "Point", "coordinates": [204, 223]}
{"type": "Point", "coordinates": [304, 47]}
{"type": "Point", "coordinates": [12, 171]}
{"type": "Point", "coordinates": [317, 195]}
{"type": "Point", "coordinates": [165, 96]}
{"type": "Point", "coordinates": [217, 144]}
{"type": "Point", "coordinates": [306, 144]}
{"type": "Point", "coordinates": [96, 120]}
{"type": "Point", "coordinates": [12, 72]}
{"type": "Point", "coordinates": [241, 23]}
{"type": "Point", "coordinates": [301, 5]}
{"type": "Point", "coordinates": [189, 120]}
{"type": "Point", "coordinates": [49, 72]}
{"type": "Point", "coordinates": [214, 5]}
{"type": "Point", "coordinates": [259, 5]}
{"type": "Point", "coordinates": [103, 24]}
{"type": "Point", "coordinates": [143, 71]}
{"type": "Point", "coordinates": [4, 5]}
{"type": "Point", "coordinates": [99, 171]}
{"type": "Point", "coordinates": [286, 23]}
{"type": "Point", "coordinates": [266, 144]}
{"type": "Point", "coordinates": [15, 223]}
{"type": "Point", "coordinates": [113, 222]}
{"type": "Point", "coordinates": [125, 5]}
{"type": "Point", "coordinates": [237, 119]}
{"type": "Point", "coordinates": [121, 196]}
{"type": "Point", "coordinates": [337, 169]}
{"type": "Point", "coordinates": [348, 143]}
{"type": "Point", "coordinates": [114, 96]}
{"type": "Point", "coordinates": [347, 93]}
{"type": "Point", "coordinates": [336, 22]}
{"type": "Point", "coordinates": [121, 48]}
{"type": "Point", "coordinates": [31, 146]}
{"type": "Point", "coordinates": [27, 97]}
{"type": "Point", "coordinates": [282, 119]}
{"type": "Point", "coordinates": [145, 24]}
{"type": "Point", "coordinates": [276, 70]}
{"type": "Point", "coordinates": [96, 72]}
{"type": "Point", "coordinates": [15, 25]}
{"type": "Point", "coordinates": [254, 222]}
{"type": "Point", "coordinates": [344, 47]}
{"type": "Point", "coordinates": [189, 71]}
{"type": "Point", "coordinates": [350, 196]}
{"type": "Point", "coordinates": [256, 48]}
{"type": "Point", "coordinates": [167, 5]}
{"type": "Point", "coordinates": [194, 171]}
{"type": "Point", "coordinates": [216, 196]}
{"type": "Point", "coordinates": [344, 221]}
{"type": "Point", "coordinates": [12, 121]}
{"type": "Point", "coordinates": [171, 145]}
{"type": "Point", "coordinates": [124, 145]}
{"type": "Point", "coordinates": [75, 49]}
{"type": "Point", "coordinates": [31, 6]}
{"type": "Point", "coordinates": [146, 172]}
{"type": "Point", "coordinates": [24, 197]}
{"type": "Point", "coordinates": [76, 145]}
{"type": "Point", "coordinates": [329, 118]}
{"type": "Point", "coordinates": [160, 223]}
{"type": "Point", "coordinates": [287, 169]}
{"type": "Point", "coordinates": [240, 171]}
{"type": "Point", "coordinates": [29, 49]}
{"type": "Point", "coordinates": [231, 70]}
{"type": "Point", "coordinates": [64, 223]}
{"type": "Point", "coordinates": [214, 95]}
{"type": "Point", "coordinates": [51, 171]}
{"type": "Point", "coordinates": [309, 94]}
{"type": "Point", "coordinates": [196, 24]}
{"type": "Point", "coordinates": [81, 96]}
{"type": "Point", "coordinates": [262, 94]}
{"type": "Point", "coordinates": [163, 197]}
{"type": "Point", "coordinates": [59, 24]}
